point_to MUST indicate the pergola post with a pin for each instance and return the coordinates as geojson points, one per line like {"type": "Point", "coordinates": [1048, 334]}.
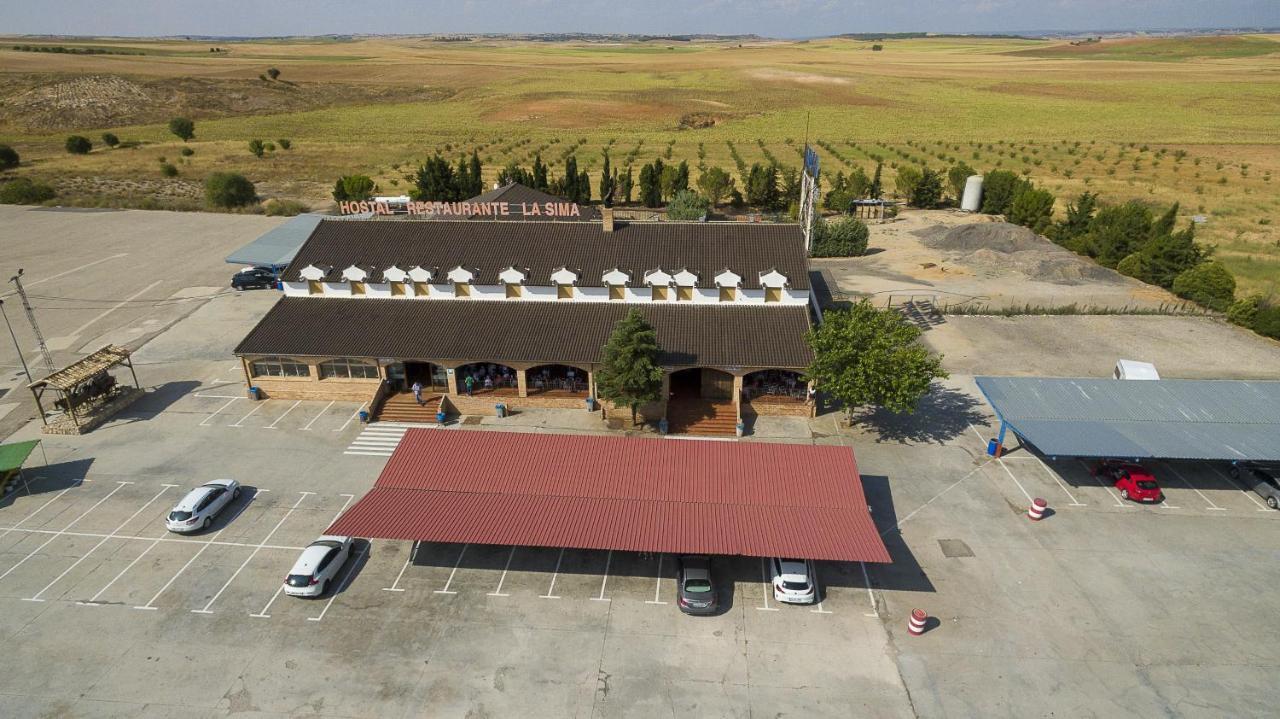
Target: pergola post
{"type": "Point", "coordinates": [36, 392]}
{"type": "Point", "coordinates": [129, 361]}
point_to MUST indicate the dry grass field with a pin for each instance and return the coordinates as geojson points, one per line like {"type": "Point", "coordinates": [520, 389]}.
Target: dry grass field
{"type": "Point", "coordinates": [1195, 120]}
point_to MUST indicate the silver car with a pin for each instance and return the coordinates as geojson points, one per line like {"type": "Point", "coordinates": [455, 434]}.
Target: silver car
{"type": "Point", "coordinates": [1261, 479]}
{"type": "Point", "coordinates": [197, 510]}
{"type": "Point", "coordinates": [317, 567]}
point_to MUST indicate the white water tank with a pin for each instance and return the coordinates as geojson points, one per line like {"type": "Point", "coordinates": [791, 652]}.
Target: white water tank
{"type": "Point", "coordinates": [972, 200]}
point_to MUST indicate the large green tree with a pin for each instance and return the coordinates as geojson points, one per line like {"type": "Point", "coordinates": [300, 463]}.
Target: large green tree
{"type": "Point", "coordinates": [182, 127]}
{"type": "Point", "coordinates": [1032, 208]}
{"type": "Point", "coordinates": [715, 185]}
{"type": "Point", "coordinates": [229, 189]}
{"type": "Point", "coordinates": [865, 356]}
{"type": "Point", "coordinates": [999, 189]}
{"type": "Point", "coordinates": [630, 374]}
{"type": "Point", "coordinates": [687, 205]}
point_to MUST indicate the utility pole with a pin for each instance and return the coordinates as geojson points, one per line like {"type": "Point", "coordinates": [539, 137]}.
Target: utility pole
{"type": "Point", "coordinates": [16, 347]}
{"type": "Point", "coordinates": [31, 317]}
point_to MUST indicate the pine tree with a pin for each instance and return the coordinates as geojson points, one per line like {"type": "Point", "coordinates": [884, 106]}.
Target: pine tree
{"type": "Point", "coordinates": [476, 176]}
{"type": "Point", "coordinates": [539, 173]}
{"type": "Point", "coordinates": [584, 187]}
{"type": "Point", "coordinates": [630, 374]}
{"type": "Point", "coordinates": [571, 178]}
{"type": "Point", "coordinates": [876, 191]}
{"type": "Point", "coordinates": [606, 180]}
{"type": "Point", "coordinates": [628, 183]}
{"type": "Point", "coordinates": [682, 178]}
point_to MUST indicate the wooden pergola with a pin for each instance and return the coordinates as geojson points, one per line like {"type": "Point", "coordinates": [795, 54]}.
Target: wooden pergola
{"type": "Point", "coordinates": [78, 374]}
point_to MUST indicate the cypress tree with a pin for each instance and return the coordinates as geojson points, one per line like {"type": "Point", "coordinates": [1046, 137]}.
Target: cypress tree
{"type": "Point", "coordinates": [630, 373]}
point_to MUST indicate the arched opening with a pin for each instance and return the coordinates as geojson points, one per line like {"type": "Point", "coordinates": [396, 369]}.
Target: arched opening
{"type": "Point", "coordinates": [774, 386]}
{"type": "Point", "coordinates": [432, 377]}
{"type": "Point", "coordinates": [701, 383]}
{"type": "Point", "coordinates": [556, 380]}
{"type": "Point", "coordinates": [487, 378]}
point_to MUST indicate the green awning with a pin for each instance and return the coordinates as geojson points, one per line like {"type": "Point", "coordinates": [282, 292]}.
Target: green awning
{"type": "Point", "coordinates": [13, 455]}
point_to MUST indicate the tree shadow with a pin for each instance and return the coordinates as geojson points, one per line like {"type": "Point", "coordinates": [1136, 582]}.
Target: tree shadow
{"type": "Point", "coordinates": [941, 415]}
{"type": "Point", "coordinates": [49, 478]}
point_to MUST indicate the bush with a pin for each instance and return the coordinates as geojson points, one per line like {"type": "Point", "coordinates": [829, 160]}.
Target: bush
{"type": "Point", "coordinates": [999, 189]}
{"type": "Point", "coordinates": [687, 205]}
{"type": "Point", "coordinates": [257, 147]}
{"type": "Point", "coordinates": [927, 192]}
{"type": "Point", "coordinates": [229, 189]}
{"type": "Point", "coordinates": [354, 187]}
{"type": "Point", "coordinates": [23, 191]}
{"type": "Point", "coordinates": [187, 152]}
{"type": "Point", "coordinates": [182, 127]}
{"type": "Point", "coordinates": [168, 169]}
{"type": "Point", "coordinates": [285, 143]}
{"type": "Point", "coordinates": [1033, 209]}
{"type": "Point", "coordinates": [110, 140]}
{"type": "Point", "coordinates": [284, 208]}
{"type": "Point", "coordinates": [273, 73]}
{"type": "Point", "coordinates": [841, 238]}
{"type": "Point", "coordinates": [1267, 322]}
{"type": "Point", "coordinates": [79, 145]}
{"type": "Point", "coordinates": [1208, 284]}
{"type": "Point", "coordinates": [1244, 310]}
{"type": "Point", "coordinates": [8, 157]}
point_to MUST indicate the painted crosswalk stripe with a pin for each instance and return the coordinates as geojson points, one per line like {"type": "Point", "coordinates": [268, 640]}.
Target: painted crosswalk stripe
{"type": "Point", "coordinates": [381, 439]}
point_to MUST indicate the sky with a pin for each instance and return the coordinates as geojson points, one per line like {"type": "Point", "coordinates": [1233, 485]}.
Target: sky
{"type": "Point", "coordinates": [773, 18]}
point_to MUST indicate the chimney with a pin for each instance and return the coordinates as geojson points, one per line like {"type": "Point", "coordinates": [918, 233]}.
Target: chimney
{"type": "Point", "coordinates": [606, 217]}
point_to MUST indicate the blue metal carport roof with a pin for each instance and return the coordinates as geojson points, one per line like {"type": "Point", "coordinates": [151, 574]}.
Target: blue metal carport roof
{"type": "Point", "coordinates": [1231, 420]}
{"type": "Point", "coordinates": [277, 246]}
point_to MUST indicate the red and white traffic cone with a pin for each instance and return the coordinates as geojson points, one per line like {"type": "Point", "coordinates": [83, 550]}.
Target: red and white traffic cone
{"type": "Point", "coordinates": [1036, 511]}
{"type": "Point", "coordinates": [915, 626]}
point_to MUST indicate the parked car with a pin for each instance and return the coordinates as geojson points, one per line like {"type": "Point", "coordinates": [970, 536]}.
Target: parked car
{"type": "Point", "coordinates": [1261, 479]}
{"type": "Point", "coordinates": [794, 580]}
{"type": "Point", "coordinates": [197, 510]}
{"type": "Point", "coordinates": [251, 277]}
{"type": "Point", "coordinates": [317, 566]}
{"type": "Point", "coordinates": [695, 587]}
{"type": "Point", "coordinates": [1132, 480]}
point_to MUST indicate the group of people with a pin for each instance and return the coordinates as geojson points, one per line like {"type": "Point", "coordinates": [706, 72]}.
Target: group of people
{"type": "Point", "coordinates": [487, 377]}
{"type": "Point", "coordinates": [775, 383]}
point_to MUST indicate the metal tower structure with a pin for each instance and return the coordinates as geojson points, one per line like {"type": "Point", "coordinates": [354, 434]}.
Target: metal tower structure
{"type": "Point", "coordinates": [31, 317]}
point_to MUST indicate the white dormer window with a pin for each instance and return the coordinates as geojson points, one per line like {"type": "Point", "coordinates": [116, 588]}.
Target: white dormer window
{"type": "Point", "coordinates": [685, 278]}
{"type": "Point", "coordinates": [728, 278]}
{"type": "Point", "coordinates": [312, 273]}
{"type": "Point", "coordinates": [657, 278]}
{"type": "Point", "coordinates": [354, 274]}
{"type": "Point", "coordinates": [564, 276]}
{"type": "Point", "coordinates": [460, 274]}
{"type": "Point", "coordinates": [511, 276]}
{"type": "Point", "coordinates": [616, 277]}
{"type": "Point", "coordinates": [419, 274]}
{"type": "Point", "coordinates": [394, 274]}
{"type": "Point", "coordinates": [773, 278]}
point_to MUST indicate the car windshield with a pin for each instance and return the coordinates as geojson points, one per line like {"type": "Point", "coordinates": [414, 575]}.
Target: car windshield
{"type": "Point", "coordinates": [1147, 484]}
{"type": "Point", "coordinates": [298, 580]}
{"type": "Point", "coordinates": [697, 586]}
{"type": "Point", "coordinates": [179, 516]}
{"type": "Point", "coordinates": [795, 586]}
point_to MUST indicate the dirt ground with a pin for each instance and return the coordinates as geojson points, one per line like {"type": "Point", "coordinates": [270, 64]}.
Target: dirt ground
{"type": "Point", "coordinates": [1006, 272]}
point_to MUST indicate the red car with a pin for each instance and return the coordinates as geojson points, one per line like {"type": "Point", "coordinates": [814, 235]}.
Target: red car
{"type": "Point", "coordinates": [1132, 480]}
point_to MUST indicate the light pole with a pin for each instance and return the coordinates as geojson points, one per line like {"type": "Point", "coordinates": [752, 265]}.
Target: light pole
{"type": "Point", "coordinates": [17, 348]}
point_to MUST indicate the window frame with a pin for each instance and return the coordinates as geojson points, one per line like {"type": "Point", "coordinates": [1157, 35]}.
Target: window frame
{"type": "Point", "coordinates": [617, 293]}
{"type": "Point", "coordinates": [326, 370]}
{"type": "Point", "coordinates": [462, 289]}
{"type": "Point", "coordinates": [684, 293]}
{"type": "Point", "coordinates": [421, 289]}
{"type": "Point", "coordinates": [660, 293]}
{"type": "Point", "coordinates": [772, 294]}
{"type": "Point", "coordinates": [514, 291]}
{"type": "Point", "coordinates": [257, 365]}
{"type": "Point", "coordinates": [315, 287]}
{"type": "Point", "coordinates": [358, 289]}
{"type": "Point", "coordinates": [397, 289]}
{"type": "Point", "coordinates": [564, 292]}
{"type": "Point", "coordinates": [728, 294]}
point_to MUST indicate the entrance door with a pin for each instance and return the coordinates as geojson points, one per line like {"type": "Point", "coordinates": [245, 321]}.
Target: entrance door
{"type": "Point", "coordinates": [431, 376]}
{"type": "Point", "coordinates": [686, 384]}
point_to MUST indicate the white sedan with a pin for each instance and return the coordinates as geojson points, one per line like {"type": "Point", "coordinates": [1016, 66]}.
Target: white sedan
{"type": "Point", "coordinates": [794, 580]}
{"type": "Point", "coordinates": [197, 510]}
{"type": "Point", "coordinates": [318, 566]}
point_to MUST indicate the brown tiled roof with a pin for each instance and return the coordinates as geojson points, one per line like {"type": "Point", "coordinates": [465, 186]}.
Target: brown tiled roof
{"type": "Point", "coordinates": [488, 248]}
{"type": "Point", "coordinates": [515, 193]}
{"type": "Point", "coordinates": [525, 331]}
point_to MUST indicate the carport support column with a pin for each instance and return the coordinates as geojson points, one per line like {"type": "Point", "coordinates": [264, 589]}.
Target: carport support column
{"type": "Point", "coordinates": [1000, 438]}
{"type": "Point", "coordinates": [522, 382]}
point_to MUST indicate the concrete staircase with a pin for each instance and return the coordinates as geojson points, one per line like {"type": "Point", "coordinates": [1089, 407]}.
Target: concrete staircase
{"type": "Point", "coordinates": [402, 407]}
{"type": "Point", "coordinates": [701, 417]}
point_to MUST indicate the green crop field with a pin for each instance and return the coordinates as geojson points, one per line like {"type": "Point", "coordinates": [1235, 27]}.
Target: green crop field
{"type": "Point", "coordinates": [1193, 120]}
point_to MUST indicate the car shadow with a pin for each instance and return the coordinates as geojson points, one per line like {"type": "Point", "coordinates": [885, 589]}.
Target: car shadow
{"type": "Point", "coordinates": [229, 513]}
{"type": "Point", "coordinates": [359, 559]}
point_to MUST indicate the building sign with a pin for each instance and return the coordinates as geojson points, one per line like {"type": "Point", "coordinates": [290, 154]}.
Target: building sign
{"type": "Point", "coordinates": [461, 209]}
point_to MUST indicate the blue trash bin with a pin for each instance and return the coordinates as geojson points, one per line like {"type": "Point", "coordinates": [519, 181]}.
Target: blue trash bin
{"type": "Point", "coordinates": [364, 416]}
{"type": "Point", "coordinates": [591, 404]}
{"type": "Point", "coordinates": [502, 409]}
{"type": "Point", "coordinates": [662, 425]}
{"type": "Point", "coordinates": [741, 428]}
{"type": "Point", "coordinates": [255, 393]}
{"type": "Point", "coordinates": [993, 446]}
{"type": "Point", "coordinates": [440, 417]}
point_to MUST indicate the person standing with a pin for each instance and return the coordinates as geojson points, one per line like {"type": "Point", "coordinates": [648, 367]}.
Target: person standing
{"type": "Point", "coordinates": [470, 382]}
{"type": "Point", "coordinates": [417, 392]}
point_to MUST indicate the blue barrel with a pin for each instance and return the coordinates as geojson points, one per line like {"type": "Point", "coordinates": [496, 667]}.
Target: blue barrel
{"type": "Point", "coordinates": [364, 415]}
{"type": "Point", "coordinates": [741, 428]}
{"type": "Point", "coordinates": [993, 446]}
{"type": "Point", "coordinates": [591, 404]}
{"type": "Point", "coordinates": [662, 425]}
{"type": "Point", "coordinates": [440, 417]}
{"type": "Point", "coordinates": [255, 393]}
{"type": "Point", "coordinates": [502, 409]}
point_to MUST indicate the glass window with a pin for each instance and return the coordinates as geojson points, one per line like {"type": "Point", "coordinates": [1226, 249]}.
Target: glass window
{"type": "Point", "coordinates": [617, 292]}
{"type": "Point", "coordinates": [773, 294]}
{"type": "Point", "coordinates": [348, 369]}
{"type": "Point", "coordinates": [659, 293]}
{"type": "Point", "coordinates": [315, 287]}
{"type": "Point", "coordinates": [397, 289]}
{"type": "Point", "coordinates": [278, 367]}
{"type": "Point", "coordinates": [513, 290]}
{"type": "Point", "coordinates": [461, 289]}
{"type": "Point", "coordinates": [684, 294]}
{"type": "Point", "coordinates": [421, 289]}
{"type": "Point", "coordinates": [564, 292]}
{"type": "Point", "coordinates": [727, 294]}
{"type": "Point", "coordinates": [357, 288]}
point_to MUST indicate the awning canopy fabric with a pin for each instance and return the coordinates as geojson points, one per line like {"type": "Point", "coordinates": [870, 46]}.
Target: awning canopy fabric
{"type": "Point", "coordinates": [13, 455]}
{"type": "Point", "coordinates": [628, 494]}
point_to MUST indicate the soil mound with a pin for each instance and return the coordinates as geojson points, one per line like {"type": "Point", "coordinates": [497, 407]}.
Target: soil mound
{"type": "Point", "coordinates": [996, 247]}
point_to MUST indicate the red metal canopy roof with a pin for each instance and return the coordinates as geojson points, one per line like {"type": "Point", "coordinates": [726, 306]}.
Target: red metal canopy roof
{"type": "Point", "coordinates": [650, 495]}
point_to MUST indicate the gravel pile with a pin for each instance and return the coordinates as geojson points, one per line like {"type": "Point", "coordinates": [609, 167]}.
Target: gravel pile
{"type": "Point", "coordinates": [998, 247]}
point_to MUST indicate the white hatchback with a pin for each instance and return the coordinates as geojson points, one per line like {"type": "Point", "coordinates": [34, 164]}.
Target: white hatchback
{"type": "Point", "coordinates": [794, 580]}
{"type": "Point", "coordinates": [197, 510]}
{"type": "Point", "coordinates": [319, 564]}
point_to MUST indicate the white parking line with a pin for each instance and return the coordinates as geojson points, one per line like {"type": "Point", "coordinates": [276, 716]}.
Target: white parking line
{"type": "Point", "coordinates": [1103, 484]}
{"type": "Point", "coordinates": [263, 613]}
{"type": "Point", "coordinates": [605, 579]}
{"type": "Point", "coordinates": [259, 405]}
{"type": "Point", "coordinates": [455, 571]}
{"type": "Point", "coordinates": [318, 416]}
{"type": "Point", "coordinates": [252, 554]}
{"type": "Point", "coordinates": [204, 545]}
{"type": "Point", "coordinates": [657, 589]}
{"type": "Point", "coordinates": [342, 587]}
{"type": "Point", "coordinates": [1212, 507]}
{"type": "Point", "coordinates": [554, 574]}
{"type": "Point", "coordinates": [205, 422]}
{"type": "Point", "coordinates": [1056, 478]}
{"type": "Point", "coordinates": [917, 510]}
{"type": "Point", "coordinates": [136, 537]}
{"type": "Point", "coordinates": [29, 516]}
{"type": "Point", "coordinates": [395, 586]}
{"type": "Point", "coordinates": [1005, 467]}
{"type": "Point", "coordinates": [36, 597]}
{"type": "Point", "coordinates": [768, 587]}
{"type": "Point", "coordinates": [119, 486]}
{"type": "Point", "coordinates": [498, 592]}
{"type": "Point", "coordinates": [1248, 493]}
{"type": "Point", "coordinates": [350, 419]}
{"type": "Point", "coordinates": [286, 413]}
{"type": "Point", "coordinates": [871, 597]}
{"type": "Point", "coordinates": [93, 601]}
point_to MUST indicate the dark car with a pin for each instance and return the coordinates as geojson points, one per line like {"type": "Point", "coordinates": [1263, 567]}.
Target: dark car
{"type": "Point", "coordinates": [695, 587]}
{"type": "Point", "coordinates": [1261, 479]}
{"type": "Point", "coordinates": [251, 277]}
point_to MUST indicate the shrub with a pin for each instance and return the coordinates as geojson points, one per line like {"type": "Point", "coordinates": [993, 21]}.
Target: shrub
{"type": "Point", "coordinates": [273, 73]}
{"type": "Point", "coordinates": [1267, 322]}
{"type": "Point", "coordinates": [229, 189]}
{"type": "Point", "coordinates": [1242, 311]}
{"type": "Point", "coordinates": [928, 191]}
{"type": "Point", "coordinates": [182, 127]}
{"type": "Point", "coordinates": [1032, 208]}
{"type": "Point", "coordinates": [354, 187]}
{"type": "Point", "coordinates": [284, 208]}
{"type": "Point", "coordinates": [999, 189]}
{"type": "Point", "coordinates": [687, 205]}
{"type": "Point", "coordinates": [287, 144]}
{"type": "Point", "coordinates": [23, 191]}
{"type": "Point", "coordinates": [188, 152]}
{"type": "Point", "coordinates": [841, 238]}
{"type": "Point", "coordinates": [79, 145]}
{"type": "Point", "coordinates": [257, 147]}
{"type": "Point", "coordinates": [1208, 284]}
{"type": "Point", "coordinates": [110, 140]}
{"type": "Point", "coordinates": [8, 157]}
{"type": "Point", "coordinates": [168, 169]}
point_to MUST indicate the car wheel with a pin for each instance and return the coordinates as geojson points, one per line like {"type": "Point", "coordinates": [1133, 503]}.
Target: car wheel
{"type": "Point", "coordinates": [236, 494]}
{"type": "Point", "coordinates": [1124, 493]}
{"type": "Point", "coordinates": [1272, 503]}
{"type": "Point", "coordinates": [1234, 471]}
{"type": "Point", "coordinates": [208, 521]}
